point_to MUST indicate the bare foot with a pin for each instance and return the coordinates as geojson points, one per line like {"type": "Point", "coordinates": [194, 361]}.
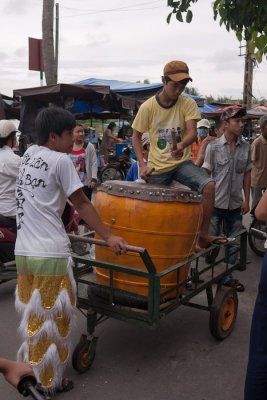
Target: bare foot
{"type": "Point", "coordinates": [197, 248]}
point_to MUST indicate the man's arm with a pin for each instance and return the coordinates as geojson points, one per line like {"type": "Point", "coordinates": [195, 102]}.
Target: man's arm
{"type": "Point", "coordinates": [89, 214]}
{"type": "Point", "coordinates": [202, 150]}
{"type": "Point", "coordinates": [190, 137]}
{"type": "Point", "coordinates": [191, 132]}
{"type": "Point", "coordinates": [13, 371]}
{"type": "Point", "coordinates": [92, 163]}
{"type": "Point", "coordinates": [208, 164]}
{"type": "Point", "coordinates": [261, 209]}
{"type": "Point", "coordinates": [246, 188]}
{"type": "Point", "coordinates": [253, 152]}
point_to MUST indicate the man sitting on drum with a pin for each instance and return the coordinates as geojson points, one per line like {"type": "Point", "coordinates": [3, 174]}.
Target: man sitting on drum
{"type": "Point", "coordinates": [171, 120]}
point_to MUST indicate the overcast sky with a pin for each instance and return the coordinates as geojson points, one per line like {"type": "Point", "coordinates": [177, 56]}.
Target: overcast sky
{"type": "Point", "coordinates": [125, 40]}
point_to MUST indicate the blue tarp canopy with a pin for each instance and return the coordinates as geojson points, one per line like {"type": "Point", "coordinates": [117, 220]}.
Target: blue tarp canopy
{"type": "Point", "coordinates": [208, 108]}
{"type": "Point", "coordinates": [139, 91]}
{"type": "Point", "coordinates": [121, 86]}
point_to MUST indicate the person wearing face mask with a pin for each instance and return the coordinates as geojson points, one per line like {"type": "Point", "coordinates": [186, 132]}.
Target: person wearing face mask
{"type": "Point", "coordinates": [203, 128]}
{"type": "Point", "coordinates": [218, 132]}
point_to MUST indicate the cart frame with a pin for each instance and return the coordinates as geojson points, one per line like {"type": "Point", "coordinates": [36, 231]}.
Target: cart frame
{"type": "Point", "coordinates": [98, 311]}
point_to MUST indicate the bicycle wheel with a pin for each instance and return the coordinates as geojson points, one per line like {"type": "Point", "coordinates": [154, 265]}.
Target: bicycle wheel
{"type": "Point", "coordinates": [110, 173]}
{"type": "Point", "coordinates": [256, 244]}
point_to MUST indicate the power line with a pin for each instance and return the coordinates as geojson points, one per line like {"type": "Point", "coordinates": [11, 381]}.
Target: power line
{"type": "Point", "coordinates": [121, 9]}
{"type": "Point", "coordinates": [89, 10]}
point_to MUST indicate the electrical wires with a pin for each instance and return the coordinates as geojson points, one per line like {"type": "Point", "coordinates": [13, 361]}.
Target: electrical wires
{"type": "Point", "coordinates": [129, 8]}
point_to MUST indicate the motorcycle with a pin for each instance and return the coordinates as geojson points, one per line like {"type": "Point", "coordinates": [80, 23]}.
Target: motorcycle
{"type": "Point", "coordinates": [257, 242]}
{"type": "Point", "coordinates": [8, 234]}
{"type": "Point", "coordinates": [117, 170]}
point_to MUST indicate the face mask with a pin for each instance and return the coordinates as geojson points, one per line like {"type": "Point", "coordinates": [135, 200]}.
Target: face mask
{"type": "Point", "coordinates": [202, 132]}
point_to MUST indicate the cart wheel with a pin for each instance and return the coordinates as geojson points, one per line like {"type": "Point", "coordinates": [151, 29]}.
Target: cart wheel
{"type": "Point", "coordinates": [79, 356]}
{"type": "Point", "coordinates": [223, 312]}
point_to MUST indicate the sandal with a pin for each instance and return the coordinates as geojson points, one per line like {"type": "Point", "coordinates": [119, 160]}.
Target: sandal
{"type": "Point", "coordinates": [235, 284]}
{"type": "Point", "coordinates": [66, 386]}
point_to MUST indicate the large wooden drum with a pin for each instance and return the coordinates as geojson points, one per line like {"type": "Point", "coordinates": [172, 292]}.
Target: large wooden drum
{"type": "Point", "coordinates": [163, 220]}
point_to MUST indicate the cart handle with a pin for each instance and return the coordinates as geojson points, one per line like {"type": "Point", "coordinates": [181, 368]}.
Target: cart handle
{"type": "Point", "coordinates": [76, 238]}
{"type": "Point", "coordinates": [140, 250]}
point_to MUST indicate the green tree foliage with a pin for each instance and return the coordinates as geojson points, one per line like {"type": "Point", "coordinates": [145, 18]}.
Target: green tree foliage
{"type": "Point", "coordinates": [191, 90]}
{"type": "Point", "coordinates": [247, 18]}
{"type": "Point", "coordinates": [147, 81]}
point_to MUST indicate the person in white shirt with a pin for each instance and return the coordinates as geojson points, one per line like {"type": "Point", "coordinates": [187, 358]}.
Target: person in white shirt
{"type": "Point", "coordinates": [46, 289]}
{"type": "Point", "coordinates": [84, 161]}
{"type": "Point", "coordinates": [9, 168]}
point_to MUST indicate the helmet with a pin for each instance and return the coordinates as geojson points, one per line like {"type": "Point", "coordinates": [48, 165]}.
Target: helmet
{"type": "Point", "coordinates": [6, 128]}
{"type": "Point", "coordinates": [204, 123]}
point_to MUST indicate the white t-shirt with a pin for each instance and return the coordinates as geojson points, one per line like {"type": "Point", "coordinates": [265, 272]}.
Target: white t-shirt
{"type": "Point", "coordinates": [46, 179]}
{"type": "Point", "coordinates": [9, 168]}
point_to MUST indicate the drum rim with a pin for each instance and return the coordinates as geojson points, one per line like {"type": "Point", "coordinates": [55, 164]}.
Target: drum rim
{"type": "Point", "coordinates": [149, 192]}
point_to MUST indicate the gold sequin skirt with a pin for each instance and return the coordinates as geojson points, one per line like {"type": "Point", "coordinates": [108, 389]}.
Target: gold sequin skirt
{"type": "Point", "coordinates": [45, 297]}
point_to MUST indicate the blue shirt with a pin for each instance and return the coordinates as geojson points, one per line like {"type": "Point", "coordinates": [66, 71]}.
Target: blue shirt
{"type": "Point", "coordinates": [228, 170]}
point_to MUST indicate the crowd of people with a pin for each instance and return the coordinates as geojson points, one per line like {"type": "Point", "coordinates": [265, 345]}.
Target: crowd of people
{"type": "Point", "coordinates": [171, 143]}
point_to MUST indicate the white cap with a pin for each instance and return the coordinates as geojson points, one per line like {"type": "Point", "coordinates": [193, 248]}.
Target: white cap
{"type": "Point", "coordinates": [145, 138]}
{"type": "Point", "coordinates": [6, 127]}
{"type": "Point", "coordinates": [203, 123]}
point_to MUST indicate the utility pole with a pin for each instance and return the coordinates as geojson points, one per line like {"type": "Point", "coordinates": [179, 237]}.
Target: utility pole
{"type": "Point", "coordinates": [56, 40]}
{"type": "Point", "coordinates": [248, 76]}
{"type": "Point", "coordinates": [50, 56]}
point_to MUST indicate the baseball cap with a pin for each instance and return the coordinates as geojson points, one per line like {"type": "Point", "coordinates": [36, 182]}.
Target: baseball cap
{"type": "Point", "coordinates": [145, 138]}
{"type": "Point", "coordinates": [6, 128]}
{"type": "Point", "coordinates": [203, 123]}
{"type": "Point", "coordinates": [177, 71]}
{"type": "Point", "coordinates": [233, 112]}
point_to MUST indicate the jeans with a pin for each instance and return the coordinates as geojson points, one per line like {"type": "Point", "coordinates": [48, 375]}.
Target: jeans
{"type": "Point", "coordinates": [186, 173]}
{"type": "Point", "coordinates": [256, 379]}
{"type": "Point", "coordinates": [230, 222]}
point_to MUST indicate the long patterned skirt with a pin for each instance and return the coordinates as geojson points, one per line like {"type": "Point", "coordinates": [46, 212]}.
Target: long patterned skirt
{"type": "Point", "coordinates": [45, 297]}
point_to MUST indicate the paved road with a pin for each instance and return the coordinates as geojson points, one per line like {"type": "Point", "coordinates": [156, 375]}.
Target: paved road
{"type": "Point", "coordinates": [180, 360]}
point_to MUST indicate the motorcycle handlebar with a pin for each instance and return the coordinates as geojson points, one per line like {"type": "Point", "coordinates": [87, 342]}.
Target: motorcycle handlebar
{"type": "Point", "coordinates": [259, 234]}
{"type": "Point", "coordinates": [26, 387]}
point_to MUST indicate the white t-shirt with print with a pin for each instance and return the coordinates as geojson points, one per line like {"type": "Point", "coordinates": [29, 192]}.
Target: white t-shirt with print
{"type": "Point", "coordinates": [46, 179]}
